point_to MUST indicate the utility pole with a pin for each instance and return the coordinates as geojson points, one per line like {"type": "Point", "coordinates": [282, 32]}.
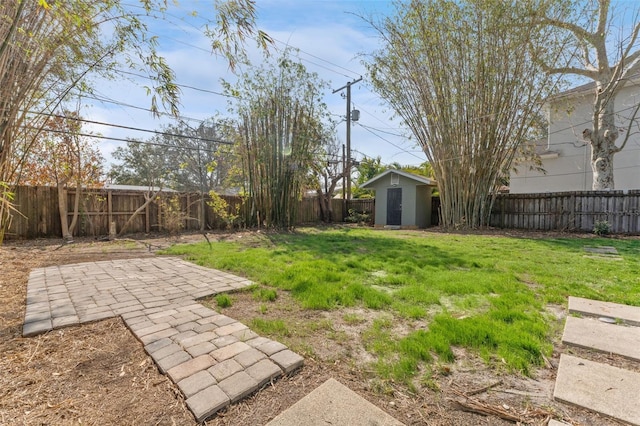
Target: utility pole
{"type": "Point", "coordinates": [348, 87]}
{"type": "Point", "coordinates": [344, 175]}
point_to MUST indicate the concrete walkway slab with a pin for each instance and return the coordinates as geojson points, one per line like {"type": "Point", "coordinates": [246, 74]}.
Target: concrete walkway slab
{"type": "Point", "coordinates": [607, 390]}
{"type": "Point", "coordinates": [608, 338]}
{"type": "Point", "coordinates": [601, 250]}
{"type": "Point", "coordinates": [214, 360]}
{"type": "Point", "coordinates": [332, 403]}
{"type": "Point", "coordinates": [628, 314]}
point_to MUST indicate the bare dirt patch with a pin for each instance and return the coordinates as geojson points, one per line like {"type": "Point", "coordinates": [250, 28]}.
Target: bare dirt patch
{"type": "Point", "coordinates": [99, 373]}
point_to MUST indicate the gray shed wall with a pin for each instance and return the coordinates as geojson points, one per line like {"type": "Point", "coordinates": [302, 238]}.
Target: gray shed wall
{"type": "Point", "coordinates": [416, 202]}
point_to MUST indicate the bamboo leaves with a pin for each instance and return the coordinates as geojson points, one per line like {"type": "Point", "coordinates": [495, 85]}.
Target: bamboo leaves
{"type": "Point", "coordinates": [459, 77]}
{"type": "Point", "coordinates": [281, 131]}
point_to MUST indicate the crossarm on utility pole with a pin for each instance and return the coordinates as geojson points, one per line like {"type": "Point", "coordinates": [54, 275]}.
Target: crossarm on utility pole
{"type": "Point", "coordinates": [348, 173]}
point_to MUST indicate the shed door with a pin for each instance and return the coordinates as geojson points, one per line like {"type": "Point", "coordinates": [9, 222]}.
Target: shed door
{"type": "Point", "coordinates": [394, 206]}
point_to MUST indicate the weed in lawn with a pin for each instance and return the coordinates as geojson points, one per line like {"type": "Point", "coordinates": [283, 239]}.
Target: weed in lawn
{"type": "Point", "coordinates": [427, 380]}
{"type": "Point", "coordinates": [304, 349]}
{"type": "Point", "coordinates": [466, 303]}
{"type": "Point", "coordinates": [223, 300]}
{"type": "Point", "coordinates": [381, 387]}
{"type": "Point", "coordinates": [377, 339]}
{"type": "Point", "coordinates": [263, 309]}
{"type": "Point", "coordinates": [324, 324]}
{"type": "Point", "coordinates": [353, 319]}
{"type": "Point", "coordinates": [265, 294]}
{"type": "Point", "coordinates": [272, 328]}
{"type": "Point", "coordinates": [407, 310]}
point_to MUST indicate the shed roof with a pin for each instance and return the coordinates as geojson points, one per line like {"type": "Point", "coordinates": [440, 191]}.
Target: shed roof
{"type": "Point", "coordinates": [421, 180]}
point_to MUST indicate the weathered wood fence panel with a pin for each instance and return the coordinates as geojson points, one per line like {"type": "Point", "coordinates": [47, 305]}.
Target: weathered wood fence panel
{"type": "Point", "coordinates": [568, 211]}
{"type": "Point", "coordinates": [38, 207]}
{"type": "Point", "coordinates": [100, 207]}
{"type": "Point", "coordinates": [363, 206]}
{"type": "Point", "coordinates": [308, 211]}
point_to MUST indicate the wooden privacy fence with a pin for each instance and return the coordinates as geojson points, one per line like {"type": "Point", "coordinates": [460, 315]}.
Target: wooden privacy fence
{"type": "Point", "coordinates": [568, 211]}
{"type": "Point", "coordinates": [564, 211]}
{"type": "Point", "coordinates": [99, 208]}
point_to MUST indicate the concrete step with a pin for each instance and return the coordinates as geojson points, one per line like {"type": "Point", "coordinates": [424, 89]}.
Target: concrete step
{"type": "Point", "coordinates": [332, 403]}
{"type": "Point", "coordinates": [625, 313]}
{"type": "Point", "coordinates": [608, 390]}
{"type": "Point", "coordinates": [609, 338]}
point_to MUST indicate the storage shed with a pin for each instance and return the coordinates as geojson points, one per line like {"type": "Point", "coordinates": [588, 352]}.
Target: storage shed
{"type": "Point", "coordinates": [403, 200]}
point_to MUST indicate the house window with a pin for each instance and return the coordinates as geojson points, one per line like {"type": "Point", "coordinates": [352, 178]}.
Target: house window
{"type": "Point", "coordinates": [395, 179]}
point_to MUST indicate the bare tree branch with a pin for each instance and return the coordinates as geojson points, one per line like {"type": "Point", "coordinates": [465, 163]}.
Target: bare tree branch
{"type": "Point", "coordinates": [577, 30]}
{"type": "Point", "coordinates": [632, 40]}
{"type": "Point", "coordinates": [628, 133]}
{"type": "Point", "coordinates": [571, 70]}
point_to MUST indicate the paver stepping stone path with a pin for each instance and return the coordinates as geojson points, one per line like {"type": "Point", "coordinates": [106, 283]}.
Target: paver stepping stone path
{"type": "Point", "coordinates": [602, 250]}
{"type": "Point", "coordinates": [609, 338]}
{"type": "Point", "coordinates": [625, 313]}
{"type": "Point", "coordinates": [215, 360]}
{"type": "Point", "coordinates": [609, 390]}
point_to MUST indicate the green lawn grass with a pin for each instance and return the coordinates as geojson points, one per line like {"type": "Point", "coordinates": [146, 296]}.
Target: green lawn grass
{"type": "Point", "coordinates": [484, 293]}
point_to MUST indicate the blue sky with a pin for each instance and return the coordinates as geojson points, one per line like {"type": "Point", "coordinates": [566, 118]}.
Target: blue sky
{"type": "Point", "coordinates": [330, 37]}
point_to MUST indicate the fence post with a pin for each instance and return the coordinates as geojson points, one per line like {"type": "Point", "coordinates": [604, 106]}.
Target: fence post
{"type": "Point", "coordinates": [110, 206]}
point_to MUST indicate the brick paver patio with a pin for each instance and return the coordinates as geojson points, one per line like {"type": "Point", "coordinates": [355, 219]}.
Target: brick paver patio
{"type": "Point", "coordinates": [215, 360]}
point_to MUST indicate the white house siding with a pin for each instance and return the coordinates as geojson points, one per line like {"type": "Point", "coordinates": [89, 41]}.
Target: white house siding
{"type": "Point", "coordinates": [567, 163]}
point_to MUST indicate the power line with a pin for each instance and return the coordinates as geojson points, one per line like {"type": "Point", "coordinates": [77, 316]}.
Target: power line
{"type": "Point", "coordinates": [123, 104]}
{"type": "Point", "coordinates": [321, 59]}
{"type": "Point", "coordinates": [382, 131]}
{"type": "Point", "coordinates": [391, 143]}
{"type": "Point", "coordinates": [90, 135]}
{"type": "Point", "coordinates": [120, 126]}
{"type": "Point", "coordinates": [186, 86]}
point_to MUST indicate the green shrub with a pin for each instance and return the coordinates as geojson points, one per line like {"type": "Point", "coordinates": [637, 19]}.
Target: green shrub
{"type": "Point", "coordinates": [361, 218]}
{"type": "Point", "coordinates": [601, 227]}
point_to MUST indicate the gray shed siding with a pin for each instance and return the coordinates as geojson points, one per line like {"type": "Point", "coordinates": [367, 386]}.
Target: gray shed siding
{"type": "Point", "coordinates": [423, 207]}
{"type": "Point", "coordinates": [414, 212]}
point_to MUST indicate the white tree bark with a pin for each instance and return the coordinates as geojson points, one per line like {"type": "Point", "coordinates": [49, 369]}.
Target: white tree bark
{"type": "Point", "coordinates": [609, 80]}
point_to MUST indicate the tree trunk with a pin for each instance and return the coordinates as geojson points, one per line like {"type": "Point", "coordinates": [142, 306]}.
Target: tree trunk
{"type": "Point", "coordinates": [602, 167]}
{"type": "Point", "coordinates": [326, 211]}
{"type": "Point", "coordinates": [76, 208]}
{"type": "Point", "coordinates": [602, 138]}
{"type": "Point", "coordinates": [62, 208]}
{"type": "Point", "coordinates": [147, 200]}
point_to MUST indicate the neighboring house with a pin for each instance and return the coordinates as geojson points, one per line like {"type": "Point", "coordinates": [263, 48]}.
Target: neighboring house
{"type": "Point", "coordinates": [402, 199]}
{"type": "Point", "coordinates": [566, 156]}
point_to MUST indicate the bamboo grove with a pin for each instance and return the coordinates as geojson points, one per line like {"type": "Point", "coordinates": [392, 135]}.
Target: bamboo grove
{"type": "Point", "coordinates": [458, 75]}
{"type": "Point", "coordinates": [281, 117]}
